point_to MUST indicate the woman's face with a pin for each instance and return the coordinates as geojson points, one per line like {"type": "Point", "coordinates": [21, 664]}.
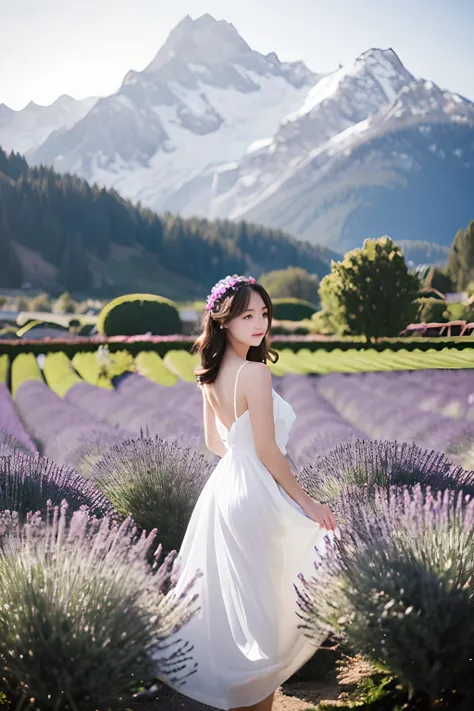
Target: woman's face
{"type": "Point", "coordinates": [252, 325]}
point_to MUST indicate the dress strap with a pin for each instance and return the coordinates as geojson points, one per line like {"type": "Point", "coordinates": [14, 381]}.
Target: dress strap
{"type": "Point", "coordinates": [235, 389]}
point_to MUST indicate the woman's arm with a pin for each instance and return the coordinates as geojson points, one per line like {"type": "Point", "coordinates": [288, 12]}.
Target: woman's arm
{"type": "Point", "coordinates": [211, 435]}
{"type": "Point", "coordinates": [258, 389]}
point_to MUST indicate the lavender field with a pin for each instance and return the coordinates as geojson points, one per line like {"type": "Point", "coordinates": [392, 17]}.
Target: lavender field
{"type": "Point", "coordinates": [391, 451]}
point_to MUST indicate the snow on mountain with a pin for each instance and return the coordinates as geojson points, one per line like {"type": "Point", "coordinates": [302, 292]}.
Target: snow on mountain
{"type": "Point", "coordinates": [406, 170]}
{"type": "Point", "coordinates": [201, 102]}
{"type": "Point", "coordinates": [338, 105]}
{"type": "Point", "coordinates": [211, 127]}
{"type": "Point", "coordinates": [27, 129]}
{"type": "Point", "coordinates": [363, 131]}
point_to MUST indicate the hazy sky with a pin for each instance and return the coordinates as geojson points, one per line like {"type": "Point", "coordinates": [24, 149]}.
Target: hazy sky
{"type": "Point", "coordinates": [85, 47]}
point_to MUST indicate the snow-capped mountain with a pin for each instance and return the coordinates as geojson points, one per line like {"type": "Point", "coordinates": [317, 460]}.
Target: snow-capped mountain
{"type": "Point", "coordinates": [363, 137]}
{"type": "Point", "coordinates": [27, 129]}
{"type": "Point", "coordinates": [201, 102]}
{"type": "Point", "coordinates": [212, 127]}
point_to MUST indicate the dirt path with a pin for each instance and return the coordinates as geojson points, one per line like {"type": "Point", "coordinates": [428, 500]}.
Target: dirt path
{"type": "Point", "coordinates": [297, 696]}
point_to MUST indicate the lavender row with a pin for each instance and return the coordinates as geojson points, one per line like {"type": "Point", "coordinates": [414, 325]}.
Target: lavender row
{"type": "Point", "coordinates": [385, 417]}
{"type": "Point", "coordinates": [318, 428]}
{"type": "Point", "coordinates": [450, 393]}
{"type": "Point", "coordinates": [10, 421]}
{"type": "Point", "coordinates": [169, 412]}
{"type": "Point", "coordinates": [57, 426]}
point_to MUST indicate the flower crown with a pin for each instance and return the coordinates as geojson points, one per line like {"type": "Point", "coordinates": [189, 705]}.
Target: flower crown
{"type": "Point", "coordinates": [219, 290]}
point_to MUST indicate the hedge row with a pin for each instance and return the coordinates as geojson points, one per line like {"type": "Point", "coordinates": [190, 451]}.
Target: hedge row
{"type": "Point", "coordinates": [163, 344]}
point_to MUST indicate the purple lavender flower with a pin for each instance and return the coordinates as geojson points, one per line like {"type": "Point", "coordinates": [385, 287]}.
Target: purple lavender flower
{"type": "Point", "coordinates": [398, 588]}
{"type": "Point", "coordinates": [28, 483]}
{"type": "Point", "coordinates": [83, 617]}
{"type": "Point", "coordinates": [222, 286]}
{"type": "Point", "coordinates": [154, 481]}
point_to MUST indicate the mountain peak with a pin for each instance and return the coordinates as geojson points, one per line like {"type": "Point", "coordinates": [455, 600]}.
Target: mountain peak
{"type": "Point", "coordinates": [204, 40]}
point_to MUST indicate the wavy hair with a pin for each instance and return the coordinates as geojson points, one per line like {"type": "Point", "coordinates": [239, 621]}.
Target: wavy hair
{"type": "Point", "coordinates": [212, 341]}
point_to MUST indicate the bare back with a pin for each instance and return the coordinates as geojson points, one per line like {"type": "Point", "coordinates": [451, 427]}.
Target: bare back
{"type": "Point", "coordinates": [226, 399]}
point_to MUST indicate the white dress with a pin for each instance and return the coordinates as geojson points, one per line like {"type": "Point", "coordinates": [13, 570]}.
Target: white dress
{"type": "Point", "coordinates": [250, 540]}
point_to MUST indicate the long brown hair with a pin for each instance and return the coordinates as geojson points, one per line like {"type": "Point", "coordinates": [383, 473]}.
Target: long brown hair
{"type": "Point", "coordinates": [212, 341]}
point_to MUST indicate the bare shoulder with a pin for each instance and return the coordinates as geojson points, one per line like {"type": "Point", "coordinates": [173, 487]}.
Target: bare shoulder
{"type": "Point", "coordinates": [257, 375]}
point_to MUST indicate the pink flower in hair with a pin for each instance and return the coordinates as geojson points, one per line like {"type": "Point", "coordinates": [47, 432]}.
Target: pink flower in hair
{"type": "Point", "coordinates": [222, 287]}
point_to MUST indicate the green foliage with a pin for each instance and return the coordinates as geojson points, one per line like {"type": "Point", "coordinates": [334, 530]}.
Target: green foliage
{"type": "Point", "coordinates": [93, 367]}
{"type": "Point", "coordinates": [22, 303]}
{"type": "Point", "coordinates": [431, 311]}
{"type": "Point", "coordinates": [24, 367]}
{"type": "Point", "coordinates": [182, 364]}
{"type": "Point", "coordinates": [95, 238]}
{"type": "Point", "coordinates": [82, 615]}
{"type": "Point", "coordinates": [371, 292]}
{"type": "Point", "coordinates": [134, 314]}
{"type": "Point", "coordinates": [155, 482]}
{"type": "Point", "coordinates": [10, 265]}
{"type": "Point", "coordinates": [456, 311]}
{"type": "Point", "coordinates": [321, 323]}
{"type": "Point", "coordinates": [152, 366]}
{"type": "Point", "coordinates": [293, 282]}
{"type": "Point", "coordinates": [470, 289]}
{"type": "Point", "coordinates": [291, 328]}
{"type": "Point", "coordinates": [292, 309]}
{"type": "Point", "coordinates": [41, 302]}
{"type": "Point", "coordinates": [66, 304]}
{"type": "Point", "coordinates": [461, 258]}
{"type": "Point", "coordinates": [4, 368]}
{"type": "Point", "coordinates": [59, 373]}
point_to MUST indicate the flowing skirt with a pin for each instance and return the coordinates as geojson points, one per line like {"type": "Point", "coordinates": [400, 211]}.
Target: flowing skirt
{"type": "Point", "coordinates": [251, 541]}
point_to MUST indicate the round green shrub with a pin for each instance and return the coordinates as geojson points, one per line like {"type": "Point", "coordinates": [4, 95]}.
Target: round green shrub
{"type": "Point", "coordinates": [292, 309]}
{"type": "Point", "coordinates": [135, 314]}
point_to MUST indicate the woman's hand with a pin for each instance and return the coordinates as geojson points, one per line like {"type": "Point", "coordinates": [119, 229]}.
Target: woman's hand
{"type": "Point", "coordinates": [320, 513]}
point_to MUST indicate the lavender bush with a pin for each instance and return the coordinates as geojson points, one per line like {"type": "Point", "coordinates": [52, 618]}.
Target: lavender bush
{"type": "Point", "coordinates": [9, 444]}
{"type": "Point", "coordinates": [10, 421]}
{"type": "Point", "coordinates": [399, 589]}
{"type": "Point", "coordinates": [82, 614]}
{"type": "Point", "coordinates": [28, 483]}
{"type": "Point", "coordinates": [155, 482]}
{"type": "Point", "coordinates": [90, 450]}
{"type": "Point", "coordinates": [371, 464]}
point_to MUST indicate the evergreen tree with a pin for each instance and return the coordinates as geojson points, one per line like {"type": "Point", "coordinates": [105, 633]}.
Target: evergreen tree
{"type": "Point", "coordinates": [74, 271]}
{"type": "Point", "coordinates": [68, 222]}
{"type": "Point", "coordinates": [10, 265]}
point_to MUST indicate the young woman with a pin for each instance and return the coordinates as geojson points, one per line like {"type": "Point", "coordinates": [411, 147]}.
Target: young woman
{"type": "Point", "coordinates": [253, 529]}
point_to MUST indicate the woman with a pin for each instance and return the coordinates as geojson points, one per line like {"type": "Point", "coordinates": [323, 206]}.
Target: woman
{"type": "Point", "coordinates": [253, 529]}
